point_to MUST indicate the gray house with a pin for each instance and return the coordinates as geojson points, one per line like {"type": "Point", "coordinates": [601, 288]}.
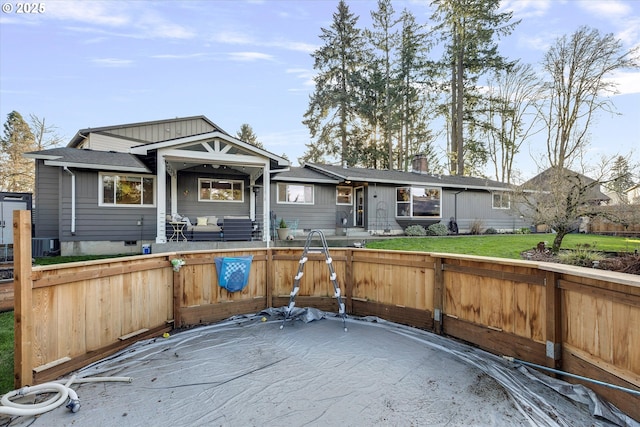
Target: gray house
{"type": "Point", "coordinates": [115, 188]}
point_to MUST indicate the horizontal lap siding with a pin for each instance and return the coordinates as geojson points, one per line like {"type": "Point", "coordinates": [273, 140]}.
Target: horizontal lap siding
{"type": "Point", "coordinates": [95, 222]}
{"type": "Point", "coordinates": [47, 210]}
{"type": "Point", "coordinates": [320, 215]}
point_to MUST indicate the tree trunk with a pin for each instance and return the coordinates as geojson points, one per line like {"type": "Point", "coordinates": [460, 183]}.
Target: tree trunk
{"type": "Point", "coordinates": [557, 241]}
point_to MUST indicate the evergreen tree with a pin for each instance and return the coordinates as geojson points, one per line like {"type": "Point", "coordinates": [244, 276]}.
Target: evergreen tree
{"type": "Point", "coordinates": [468, 28]}
{"type": "Point", "coordinates": [385, 41]}
{"type": "Point", "coordinates": [16, 172]}
{"type": "Point", "coordinates": [622, 178]}
{"type": "Point", "coordinates": [415, 84]}
{"type": "Point", "coordinates": [332, 116]}
{"type": "Point", "coordinates": [247, 134]}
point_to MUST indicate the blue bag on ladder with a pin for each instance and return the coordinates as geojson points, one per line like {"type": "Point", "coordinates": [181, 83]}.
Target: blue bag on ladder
{"type": "Point", "coordinates": [233, 272]}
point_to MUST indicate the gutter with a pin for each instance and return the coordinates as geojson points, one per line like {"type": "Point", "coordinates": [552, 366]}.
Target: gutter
{"type": "Point", "coordinates": [73, 201]}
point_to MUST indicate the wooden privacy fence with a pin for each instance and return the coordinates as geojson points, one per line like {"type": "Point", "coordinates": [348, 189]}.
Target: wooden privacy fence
{"type": "Point", "coordinates": [583, 321]}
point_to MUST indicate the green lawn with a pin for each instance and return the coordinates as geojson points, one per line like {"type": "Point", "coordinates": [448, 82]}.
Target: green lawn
{"type": "Point", "coordinates": [500, 245]}
{"type": "Point", "coordinates": [6, 352]}
{"type": "Point", "coordinates": [503, 245]}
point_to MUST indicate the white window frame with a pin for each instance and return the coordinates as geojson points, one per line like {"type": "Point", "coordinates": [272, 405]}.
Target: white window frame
{"type": "Point", "coordinates": [283, 186]}
{"type": "Point", "coordinates": [116, 176]}
{"type": "Point", "coordinates": [502, 195]}
{"type": "Point", "coordinates": [410, 202]}
{"type": "Point", "coordinates": [232, 181]}
{"type": "Point", "coordinates": [343, 187]}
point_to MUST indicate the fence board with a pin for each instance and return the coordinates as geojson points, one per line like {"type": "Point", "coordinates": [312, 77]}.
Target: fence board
{"type": "Point", "coordinates": [80, 311]}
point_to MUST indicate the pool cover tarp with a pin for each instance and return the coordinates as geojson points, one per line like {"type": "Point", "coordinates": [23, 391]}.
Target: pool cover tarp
{"type": "Point", "coordinates": [246, 371]}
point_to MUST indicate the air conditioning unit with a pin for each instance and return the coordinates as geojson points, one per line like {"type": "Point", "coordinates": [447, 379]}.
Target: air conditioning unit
{"type": "Point", "coordinates": [44, 246]}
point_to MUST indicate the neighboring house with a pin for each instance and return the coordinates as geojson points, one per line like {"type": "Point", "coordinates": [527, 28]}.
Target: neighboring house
{"type": "Point", "coordinates": [549, 178]}
{"type": "Point", "coordinates": [122, 185]}
{"type": "Point", "coordinates": [633, 194]}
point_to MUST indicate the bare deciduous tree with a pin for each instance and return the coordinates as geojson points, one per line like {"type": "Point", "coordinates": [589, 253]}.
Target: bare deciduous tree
{"type": "Point", "coordinates": [578, 67]}
{"type": "Point", "coordinates": [511, 116]}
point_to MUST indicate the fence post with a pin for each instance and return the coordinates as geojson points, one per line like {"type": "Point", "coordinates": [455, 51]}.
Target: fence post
{"type": "Point", "coordinates": [348, 279]}
{"type": "Point", "coordinates": [269, 279]}
{"type": "Point", "coordinates": [438, 297]}
{"type": "Point", "coordinates": [22, 287]}
{"type": "Point", "coordinates": [553, 321]}
{"type": "Point", "coordinates": [177, 295]}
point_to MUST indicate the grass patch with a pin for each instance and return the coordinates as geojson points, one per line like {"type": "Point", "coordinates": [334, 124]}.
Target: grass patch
{"type": "Point", "coordinates": [503, 245]}
{"type": "Point", "coordinates": [6, 352]}
{"type": "Point", "coordinates": [64, 259]}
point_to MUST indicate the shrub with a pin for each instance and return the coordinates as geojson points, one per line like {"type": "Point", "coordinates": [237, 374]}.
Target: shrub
{"type": "Point", "coordinates": [491, 230]}
{"type": "Point", "coordinates": [475, 227]}
{"type": "Point", "coordinates": [582, 256]}
{"type": "Point", "coordinates": [437, 230]}
{"type": "Point", "coordinates": [524, 230]}
{"type": "Point", "coordinates": [415, 230]}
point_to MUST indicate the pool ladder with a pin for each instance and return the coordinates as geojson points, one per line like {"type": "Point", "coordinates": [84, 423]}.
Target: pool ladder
{"type": "Point", "coordinates": [332, 275]}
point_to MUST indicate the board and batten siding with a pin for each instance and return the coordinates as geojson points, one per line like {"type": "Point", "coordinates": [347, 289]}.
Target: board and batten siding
{"type": "Point", "coordinates": [162, 131]}
{"type": "Point", "coordinates": [48, 185]}
{"type": "Point", "coordinates": [189, 206]}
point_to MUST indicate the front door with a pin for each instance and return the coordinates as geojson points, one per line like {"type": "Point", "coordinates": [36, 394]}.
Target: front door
{"type": "Point", "coordinates": [359, 208]}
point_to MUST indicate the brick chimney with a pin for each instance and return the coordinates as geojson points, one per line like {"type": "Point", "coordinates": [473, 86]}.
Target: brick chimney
{"type": "Point", "coordinates": [420, 164]}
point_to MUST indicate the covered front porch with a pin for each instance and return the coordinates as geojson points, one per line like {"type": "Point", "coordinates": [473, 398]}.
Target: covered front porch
{"type": "Point", "coordinates": [212, 188]}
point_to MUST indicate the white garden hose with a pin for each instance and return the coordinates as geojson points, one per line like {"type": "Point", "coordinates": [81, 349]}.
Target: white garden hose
{"type": "Point", "coordinates": [63, 394]}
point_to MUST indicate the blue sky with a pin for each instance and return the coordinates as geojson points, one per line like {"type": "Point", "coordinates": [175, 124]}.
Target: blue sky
{"type": "Point", "coordinates": [91, 63]}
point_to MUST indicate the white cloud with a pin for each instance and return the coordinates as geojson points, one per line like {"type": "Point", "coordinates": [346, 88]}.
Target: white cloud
{"type": "Point", "coordinates": [606, 8]}
{"type": "Point", "coordinates": [627, 82]}
{"type": "Point", "coordinates": [304, 74]}
{"type": "Point", "coordinates": [181, 56]}
{"type": "Point", "coordinates": [250, 56]}
{"type": "Point", "coordinates": [112, 62]}
{"type": "Point", "coordinates": [230, 37]}
{"type": "Point", "coordinates": [94, 13]}
{"type": "Point", "coordinates": [526, 8]}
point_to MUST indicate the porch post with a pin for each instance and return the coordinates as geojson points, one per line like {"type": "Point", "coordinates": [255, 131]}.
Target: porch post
{"type": "Point", "coordinates": [174, 193]}
{"type": "Point", "coordinates": [161, 199]}
{"type": "Point", "coordinates": [266, 202]}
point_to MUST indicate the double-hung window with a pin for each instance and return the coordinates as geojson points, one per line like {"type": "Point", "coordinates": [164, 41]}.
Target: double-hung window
{"type": "Point", "coordinates": [501, 200]}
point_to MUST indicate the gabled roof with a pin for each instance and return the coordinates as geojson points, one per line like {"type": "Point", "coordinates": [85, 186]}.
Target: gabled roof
{"type": "Point", "coordinates": [121, 130]}
{"type": "Point", "coordinates": [340, 174]}
{"type": "Point", "coordinates": [89, 159]}
{"type": "Point", "coordinates": [301, 174]}
{"type": "Point", "coordinates": [544, 180]}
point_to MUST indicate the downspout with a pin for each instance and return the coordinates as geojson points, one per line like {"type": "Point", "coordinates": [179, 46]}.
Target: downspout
{"type": "Point", "coordinates": [73, 201]}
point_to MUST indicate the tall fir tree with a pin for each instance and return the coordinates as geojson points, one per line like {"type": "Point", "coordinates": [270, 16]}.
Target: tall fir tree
{"type": "Point", "coordinates": [469, 29]}
{"type": "Point", "coordinates": [247, 134]}
{"type": "Point", "coordinates": [332, 116]}
{"type": "Point", "coordinates": [16, 172]}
